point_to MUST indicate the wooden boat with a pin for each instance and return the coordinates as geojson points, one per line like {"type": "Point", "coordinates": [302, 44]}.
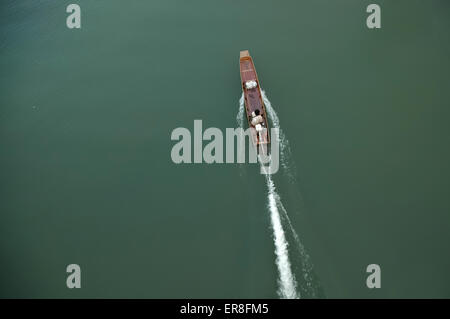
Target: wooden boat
{"type": "Point", "coordinates": [253, 100]}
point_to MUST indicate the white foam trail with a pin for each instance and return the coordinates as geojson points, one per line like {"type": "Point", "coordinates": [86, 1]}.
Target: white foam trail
{"type": "Point", "coordinates": [289, 168]}
{"type": "Point", "coordinates": [307, 266]}
{"type": "Point", "coordinates": [285, 151]}
{"type": "Point", "coordinates": [240, 117]}
{"type": "Point", "coordinates": [241, 111]}
{"type": "Point", "coordinates": [287, 284]}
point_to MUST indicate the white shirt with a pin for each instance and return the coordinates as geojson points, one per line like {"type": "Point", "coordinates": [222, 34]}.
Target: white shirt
{"type": "Point", "coordinates": [257, 119]}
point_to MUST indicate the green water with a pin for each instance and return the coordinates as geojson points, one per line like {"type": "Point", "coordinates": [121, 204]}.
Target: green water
{"type": "Point", "coordinates": [86, 175]}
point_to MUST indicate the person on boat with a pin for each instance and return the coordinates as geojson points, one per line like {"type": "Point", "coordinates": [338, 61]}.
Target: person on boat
{"type": "Point", "coordinates": [257, 121]}
{"type": "Point", "coordinates": [256, 118]}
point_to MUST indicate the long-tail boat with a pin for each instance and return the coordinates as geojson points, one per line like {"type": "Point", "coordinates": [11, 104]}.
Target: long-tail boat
{"type": "Point", "coordinates": [254, 104]}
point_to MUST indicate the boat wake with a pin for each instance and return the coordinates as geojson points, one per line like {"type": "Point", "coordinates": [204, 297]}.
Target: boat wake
{"type": "Point", "coordinates": [240, 116]}
{"type": "Point", "coordinates": [310, 287]}
{"type": "Point", "coordinates": [285, 151]}
{"type": "Point", "coordinates": [287, 283]}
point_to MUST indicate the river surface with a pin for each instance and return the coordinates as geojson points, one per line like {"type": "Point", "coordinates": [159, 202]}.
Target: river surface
{"type": "Point", "coordinates": [86, 175]}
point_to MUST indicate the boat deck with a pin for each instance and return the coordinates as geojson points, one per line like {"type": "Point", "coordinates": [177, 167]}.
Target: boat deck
{"type": "Point", "coordinates": [253, 98]}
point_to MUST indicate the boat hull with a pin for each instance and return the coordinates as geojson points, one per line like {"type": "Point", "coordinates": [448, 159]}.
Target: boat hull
{"type": "Point", "coordinates": [253, 98]}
